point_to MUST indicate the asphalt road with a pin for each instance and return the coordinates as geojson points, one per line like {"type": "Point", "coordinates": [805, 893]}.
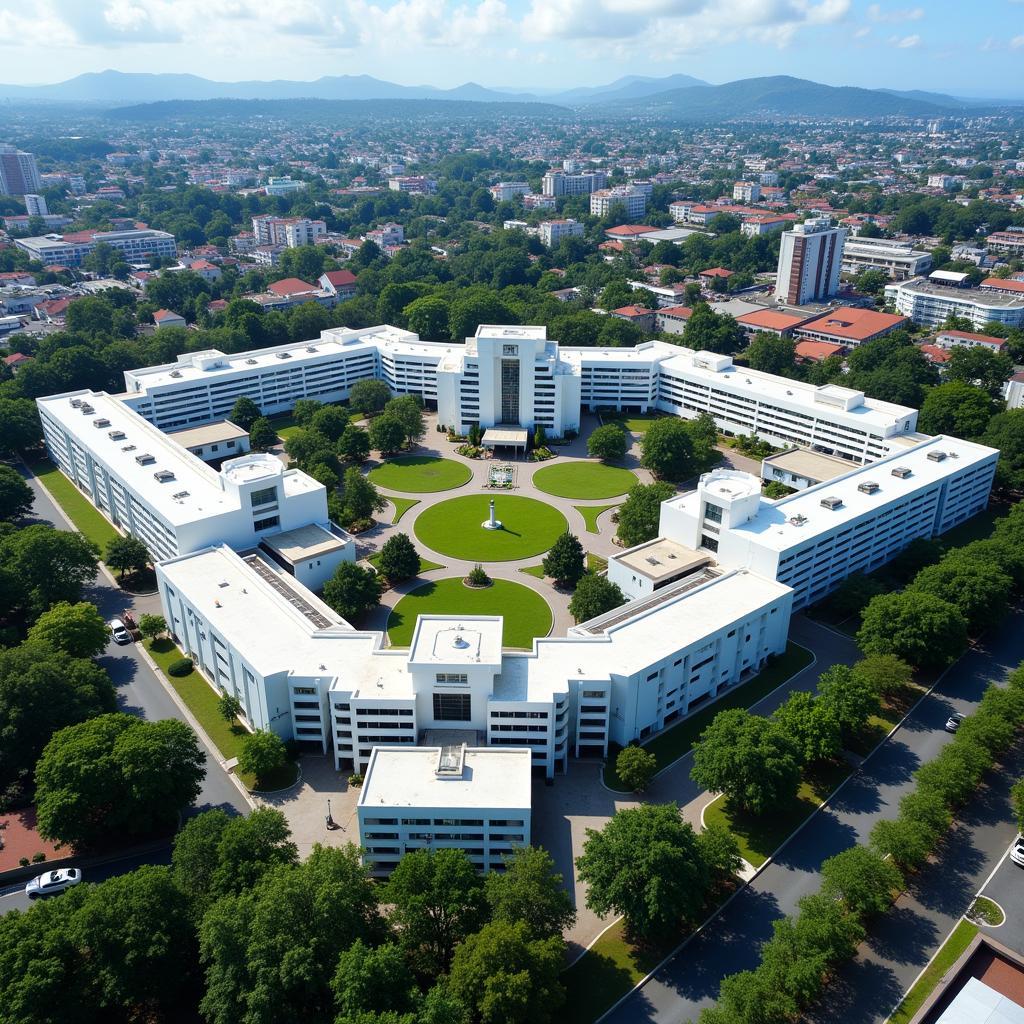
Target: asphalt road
{"type": "Point", "coordinates": [139, 692]}
{"type": "Point", "coordinates": [731, 942]}
{"type": "Point", "coordinates": [1006, 887]}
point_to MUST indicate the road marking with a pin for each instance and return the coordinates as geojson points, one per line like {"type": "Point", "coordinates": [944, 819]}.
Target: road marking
{"type": "Point", "coordinates": [995, 869]}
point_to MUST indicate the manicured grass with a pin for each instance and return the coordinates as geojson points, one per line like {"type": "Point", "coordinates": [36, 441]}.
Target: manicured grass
{"type": "Point", "coordinates": [605, 973]}
{"type": "Point", "coordinates": [759, 836]}
{"type": "Point", "coordinates": [985, 910]}
{"type": "Point", "coordinates": [583, 480]}
{"type": "Point", "coordinates": [201, 699]}
{"type": "Point", "coordinates": [596, 563]}
{"type": "Point", "coordinates": [420, 474]}
{"type": "Point", "coordinates": [526, 612]}
{"type": "Point", "coordinates": [534, 570]}
{"type": "Point", "coordinates": [402, 505]}
{"type": "Point", "coordinates": [959, 939]}
{"type": "Point", "coordinates": [425, 564]}
{"type": "Point", "coordinates": [285, 426]}
{"type": "Point", "coordinates": [88, 520]}
{"type": "Point", "coordinates": [676, 741]}
{"type": "Point", "coordinates": [453, 527]}
{"type": "Point", "coordinates": [590, 514]}
{"type": "Point", "coordinates": [637, 422]}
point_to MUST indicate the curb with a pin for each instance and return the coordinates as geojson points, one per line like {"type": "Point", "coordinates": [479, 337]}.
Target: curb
{"type": "Point", "coordinates": [287, 789]}
{"type": "Point", "coordinates": [194, 723]}
{"type": "Point", "coordinates": [18, 874]}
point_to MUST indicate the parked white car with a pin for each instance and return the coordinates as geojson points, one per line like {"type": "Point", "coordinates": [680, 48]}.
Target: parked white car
{"type": "Point", "coordinates": [954, 720]}
{"type": "Point", "coordinates": [119, 631]}
{"type": "Point", "coordinates": [53, 882]}
{"type": "Point", "coordinates": [1017, 851]}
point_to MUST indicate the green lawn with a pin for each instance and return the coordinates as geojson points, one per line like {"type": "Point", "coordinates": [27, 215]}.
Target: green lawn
{"type": "Point", "coordinates": [676, 741]}
{"type": "Point", "coordinates": [590, 514]}
{"type": "Point", "coordinates": [534, 570]}
{"type": "Point", "coordinates": [402, 505]}
{"type": "Point", "coordinates": [596, 563]}
{"type": "Point", "coordinates": [959, 939]}
{"type": "Point", "coordinates": [88, 520]}
{"type": "Point", "coordinates": [584, 480]}
{"type": "Point", "coordinates": [526, 612]}
{"type": "Point", "coordinates": [759, 836]}
{"type": "Point", "coordinates": [605, 973]}
{"type": "Point", "coordinates": [285, 426]}
{"type": "Point", "coordinates": [425, 564]}
{"type": "Point", "coordinates": [454, 528]}
{"type": "Point", "coordinates": [420, 474]}
{"type": "Point", "coordinates": [636, 422]}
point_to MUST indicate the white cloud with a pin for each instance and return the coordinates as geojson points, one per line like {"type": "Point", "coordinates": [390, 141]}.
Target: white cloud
{"type": "Point", "coordinates": [1017, 42]}
{"type": "Point", "coordinates": [905, 42]}
{"type": "Point", "coordinates": [876, 13]}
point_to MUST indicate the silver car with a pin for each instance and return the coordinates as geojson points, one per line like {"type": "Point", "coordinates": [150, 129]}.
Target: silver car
{"type": "Point", "coordinates": [1017, 851]}
{"type": "Point", "coordinates": [954, 720]}
{"type": "Point", "coordinates": [53, 882]}
{"type": "Point", "coordinates": [119, 632]}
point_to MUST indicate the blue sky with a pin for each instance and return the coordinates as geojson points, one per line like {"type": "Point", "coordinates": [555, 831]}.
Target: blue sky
{"type": "Point", "coordinates": [942, 45]}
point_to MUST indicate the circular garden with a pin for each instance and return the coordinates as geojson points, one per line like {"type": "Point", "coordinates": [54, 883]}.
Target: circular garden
{"type": "Point", "coordinates": [526, 613]}
{"type": "Point", "coordinates": [584, 480]}
{"type": "Point", "coordinates": [453, 528]}
{"type": "Point", "coordinates": [420, 474]}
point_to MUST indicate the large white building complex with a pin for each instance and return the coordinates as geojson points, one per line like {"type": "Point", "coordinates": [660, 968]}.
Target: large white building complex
{"type": "Point", "coordinates": [931, 304]}
{"type": "Point", "coordinates": [810, 258]}
{"type": "Point", "coordinates": [900, 260]}
{"type": "Point", "coordinates": [68, 250]}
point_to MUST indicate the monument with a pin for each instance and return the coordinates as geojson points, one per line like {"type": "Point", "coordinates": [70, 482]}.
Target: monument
{"type": "Point", "coordinates": [491, 523]}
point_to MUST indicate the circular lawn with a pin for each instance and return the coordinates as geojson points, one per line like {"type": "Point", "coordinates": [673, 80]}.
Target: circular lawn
{"type": "Point", "coordinates": [420, 474]}
{"type": "Point", "coordinates": [453, 528]}
{"type": "Point", "coordinates": [526, 613]}
{"type": "Point", "coordinates": [584, 480]}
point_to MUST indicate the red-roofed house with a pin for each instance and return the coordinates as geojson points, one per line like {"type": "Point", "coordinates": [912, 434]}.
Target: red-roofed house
{"type": "Point", "coordinates": [216, 305]}
{"type": "Point", "coordinates": [16, 360]}
{"type": "Point", "coordinates": [340, 283]}
{"type": "Point", "coordinates": [53, 311]}
{"type": "Point", "coordinates": [629, 232]}
{"type": "Point", "coordinates": [612, 246]}
{"type": "Point", "coordinates": [639, 315]}
{"type": "Point", "coordinates": [936, 355]}
{"type": "Point", "coordinates": [965, 339]}
{"type": "Point", "coordinates": [672, 319]}
{"type": "Point", "coordinates": [288, 287]}
{"type": "Point", "coordinates": [850, 326]}
{"type": "Point", "coordinates": [816, 351]}
{"type": "Point", "coordinates": [998, 284]}
{"type": "Point", "coordinates": [166, 318]}
{"type": "Point", "coordinates": [770, 321]}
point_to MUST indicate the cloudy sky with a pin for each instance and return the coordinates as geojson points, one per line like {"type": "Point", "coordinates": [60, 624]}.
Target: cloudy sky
{"type": "Point", "coordinates": [970, 49]}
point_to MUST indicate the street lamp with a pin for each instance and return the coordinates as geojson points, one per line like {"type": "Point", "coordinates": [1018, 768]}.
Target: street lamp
{"type": "Point", "coordinates": [330, 820]}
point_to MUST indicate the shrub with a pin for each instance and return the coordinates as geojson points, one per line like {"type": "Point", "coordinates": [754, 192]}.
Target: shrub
{"type": "Point", "coordinates": [636, 767]}
{"type": "Point", "coordinates": [23, 861]}
{"type": "Point", "coordinates": [355, 779]}
{"type": "Point", "coordinates": [38, 857]}
{"type": "Point", "coordinates": [478, 577]}
{"type": "Point", "coordinates": [181, 667]}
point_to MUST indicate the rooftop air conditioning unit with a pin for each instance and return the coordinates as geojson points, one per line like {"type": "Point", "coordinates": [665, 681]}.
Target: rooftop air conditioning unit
{"type": "Point", "coordinates": [797, 520]}
{"type": "Point", "coordinates": [175, 373]}
{"type": "Point", "coordinates": [116, 435]}
{"type": "Point", "coordinates": [868, 487]}
{"type": "Point", "coordinates": [76, 403]}
{"type": "Point", "coordinates": [311, 348]}
{"type": "Point", "coordinates": [163, 475]}
{"type": "Point", "coordinates": [250, 362]}
{"type": "Point", "coordinates": [102, 422]}
{"type": "Point", "coordinates": [283, 355]}
{"type": "Point", "coordinates": [128, 448]}
{"type": "Point", "coordinates": [180, 495]}
{"type": "Point", "coordinates": [87, 410]}
{"type": "Point", "coordinates": [937, 456]}
{"type": "Point", "coordinates": [901, 472]}
{"type": "Point", "coordinates": [144, 459]}
{"type": "Point", "coordinates": [832, 503]}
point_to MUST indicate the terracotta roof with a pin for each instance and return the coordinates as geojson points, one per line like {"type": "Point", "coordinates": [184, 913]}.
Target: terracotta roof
{"type": "Point", "coordinates": [632, 311]}
{"type": "Point", "coordinates": [630, 230]}
{"type": "Point", "coordinates": [1003, 284]}
{"type": "Point", "coordinates": [934, 354]}
{"type": "Point", "coordinates": [290, 286]}
{"type": "Point", "coordinates": [772, 319]}
{"type": "Point", "coordinates": [986, 339]}
{"type": "Point", "coordinates": [852, 324]}
{"type": "Point", "coordinates": [339, 277]}
{"type": "Point", "coordinates": [16, 359]}
{"type": "Point", "coordinates": [816, 351]}
{"type": "Point", "coordinates": [166, 314]}
{"type": "Point", "coordinates": [716, 272]}
{"type": "Point", "coordinates": [683, 312]}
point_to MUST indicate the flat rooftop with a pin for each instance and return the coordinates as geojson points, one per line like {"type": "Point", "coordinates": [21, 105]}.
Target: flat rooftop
{"type": "Point", "coordinates": [662, 559]}
{"type": "Point", "coordinates": [304, 542]}
{"type": "Point", "coordinates": [810, 465]}
{"type": "Point", "coordinates": [984, 298]}
{"type": "Point", "coordinates": [454, 639]}
{"type": "Point", "coordinates": [491, 778]}
{"type": "Point", "coordinates": [211, 433]}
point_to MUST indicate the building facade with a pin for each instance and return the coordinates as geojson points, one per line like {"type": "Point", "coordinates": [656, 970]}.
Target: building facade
{"type": "Point", "coordinates": [931, 304]}
{"type": "Point", "coordinates": [553, 231]}
{"type": "Point", "coordinates": [632, 199]}
{"type": "Point", "coordinates": [898, 260]}
{"type": "Point", "coordinates": [18, 172]}
{"type": "Point", "coordinates": [809, 262]}
{"type": "Point", "coordinates": [70, 250]}
{"type": "Point", "coordinates": [558, 183]}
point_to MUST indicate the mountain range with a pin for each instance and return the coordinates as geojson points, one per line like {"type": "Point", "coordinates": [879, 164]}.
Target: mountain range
{"type": "Point", "coordinates": [677, 96]}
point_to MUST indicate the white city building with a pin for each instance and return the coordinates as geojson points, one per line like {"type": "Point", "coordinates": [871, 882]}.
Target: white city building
{"type": "Point", "coordinates": [289, 232]}
{"type": "Point", "coordinates": [35, 206]}
{"type": "Point", "coordinates": [746, 191]}
{"type": "Point", "coordinates": [632, 199]}
{"type": "Point", "coordinates": [284, 186]}
{"type": "Point", "coordinates": [931, 304]}
{"type": "Point", "coordinates": [135, 245]}
{"type": "Point", "coordinates": [505, 191]}
{"type": "Point", "coordinates": [900, 260]}
{"type": "Point", "coordinates": [809, 262]}
{"type": "Point", "coordinates": [558, 183]}
{"type": "Point", "coordinates": [444, 797]}
{"type": "Point", "coordinates": [553, 231]}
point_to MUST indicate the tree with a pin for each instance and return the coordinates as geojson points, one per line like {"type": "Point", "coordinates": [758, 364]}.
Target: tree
{"type": "Point", "coordinates": [407, 410]}
{"type": "Point", "coordinates": [853, 594]}
{"type": "Point", "coordinates": [863, 880]}
{"type": "Point", "coordinates": [720, 852]}
{"type": "Point", "coordinates": [354, 444]}
{"type": "Point", "coordinates": [262, 753]}
{"type": "Point", "coordinates": [980, 366]}
{"type": "Point", "coordinates": [609, 443]}
{"type": "Point", "coordinates": [748, 758]}
{"type": "Point", "coordinates": [907, 842]}
{"type": "Point", "coordinates": [883, 674]}
{"type": "Point", "coordinates": [386, 435]}
{"type": "Point", "coordinates": [870, 282]}
{"type": "Point", "coordinates": [369, 396]}
{"type": "Point", "coordinates": [245, 412]}
{"type": "Point", "coordinates": [262, 436]}
{"type": "Point", "coordinates": [152, 626]}
{"type": "Point", "coordinates": [352, 591]}
{"type": "Point", "coordinates": [428, 317]}
{"type": "Point", "coordinates": [956, 408]}
{"type": "Point", "coordinates": [360, 496]}
{"type": "Point", "coordinates": [437, 900]}
{"type": "Point", "coordinates": [399, 559]}
{"type": "Point", "coordinates": [847, 698]}
{"type": "Point", "coordinates": [304, 410]}
{"type": "Point", "coordinates": [116, 775]}
{"type": "Point", "coordinates": [229, 707]}
{"type": "Point", "coordinates": [594, 595]}
{"type": "Point", "coordinates": [331, 421]}
{"type": "Point", "coordinates": [530, 890]}
{"type": "Point", "coordinates": [373, 981]}
{"type": "Point", "coordinates": [1006, 432]}
{"type": "Point", "coordinates": [126, 554]}
{"type": "Point", "coordinates": [977, 589]}
{"type": "Point", "coordinates": [640, 513]}
{"type": "Point", "coordinates": [52, 565]}
{"type": "Point", "coordinates": [646, 865]}
{"type": "Point", "coordinates": [813, 724]}
{"type": "Point", "coordinates": [708, 331]}
{"type": "Point", "coordinates": [19, 424]}
{"type": "Point", "coordinates": [565, 562]}
{"type": "Point", "coordinates": [771, 353]}
{"type": "Point", "coordinates": [16, 497]}
{"type": "Point", "coordinates": [505, 977]}
{"type": "Point", "coordinates": [75, 629]}
{"type": "Point", "coordinates": [636, 767]}
{"type": "Point", "coordinates": [921, 629]}
{"type": "Point", "coordinates": [667, 450]}
{"type": "Point", "coordinates": [1017, 796]}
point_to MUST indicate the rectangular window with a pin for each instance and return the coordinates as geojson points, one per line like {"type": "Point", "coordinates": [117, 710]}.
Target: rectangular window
{"type": "Point", "coordinates": [709, 542]}
{"type": "Point", "coordinates": [712, 513]}
{"type": "Point", "coordinates": [264, 496]}
{"type": "Point", "coordinates": [452, 678]}
{"type": "Point", "coordinates": [452, 707]}
{"type": "Point", "coordinates": [266, 524]}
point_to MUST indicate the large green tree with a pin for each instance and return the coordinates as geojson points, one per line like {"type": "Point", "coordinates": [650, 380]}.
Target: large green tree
{"type": "Point", "coordinates": [16, 497]}
{"type": "Point", "coordinates": [50, 565]}
{"type": "Point", "coordinates": [863, 880]}
{"type": "Point", "coordinates": [399, 559]}
{"type": "Point", "coordinates": [594, 595]}
{"type": "Point", "coordinates": [245, 412]}
{"type": "Point", "coordinates": [76, 629]}
{"type": "Point", "coordinates": [975, 587]}
{"type": "Point", "coordinates": [126, 554]}
{"type": "Point", "coordinates": [640, 514]}
{"type": "Point", "coordinates": [373, 981]}
{"type": "Point", "coordinates": [1006, 432]}
{"type": "Point", "coordinates": [361, 498]}
{"type": "Point", "coordinates": [609, 443]}
{"type": "Point", "coordinates": [771, 353]}
{"type": "Point", "coordinates": [667, 450]}
{"type": "Point", "coordinates": [19, 425]}
{"type": "Point", "coordinates": [978, 365]}
{"type": "Point", "coordinates": [369, 396]}
{"type": "Point", "coordinates": [532, 891]}
{"type": "Point", "coordinates": [813, 724]}
{"type": "Point", "coordinates": [847, 698]}
{"type": "Point", "coordinates": [921, 629]}
{"type": "Point", "coordinates": [957, 408]}
{"type": "Point", "coordinates": [565, 562]}
{"type": "Point", "coordinates": [352, 590]}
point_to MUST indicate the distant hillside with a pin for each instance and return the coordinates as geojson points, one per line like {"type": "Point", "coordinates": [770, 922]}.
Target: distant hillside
{"type": "Point", "coordinates": [632, 86]}
{"type": "Point", "coordinates": [780, 96]}
{"type": "Point", "coordinates": [316, 109]}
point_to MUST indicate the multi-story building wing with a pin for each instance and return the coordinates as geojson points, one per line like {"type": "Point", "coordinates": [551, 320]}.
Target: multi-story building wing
{"type": "Point", "coordinates": [931, 304]}
{"type": "Point", "coordinates": [18, 172]}
{"type": "Point", "coordinates": [69, 250]}
{"type": "Point", "coordinates": [558, 183]}
{"type": "Point", "coordinates": [809, 261]}
{"type": "Point", "coordinates": [900, 260]}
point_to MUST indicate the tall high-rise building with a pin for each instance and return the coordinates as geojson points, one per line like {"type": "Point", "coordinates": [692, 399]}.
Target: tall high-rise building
{"type": "Point", "coordinates": [809, 260]}
{"type": "Point", "coordinates": [35, 206]}
{"type": "Point", "coordinates": [18, 172]}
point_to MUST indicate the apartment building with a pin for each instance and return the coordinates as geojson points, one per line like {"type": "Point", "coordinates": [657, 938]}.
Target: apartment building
{"type": "Point", "coordinates": [35, 206]}
{"type": "Point", "coordinates": [476, 799]}
{"type": "Point", "coordinates": [417, 184]}
{"type": "Point", "coordinates": [746, 191]}
{"type": "Point", "coordinates": [809, 262]}
{"type": "Point", "coordinates": [289, 232]}
{"type": "Point", "coordinates": [968, 339]}
{"type": "Point", "coordinates": [632, 199]}
{"type": "Point", "coordinates": [900, 260]}
{"type": "Point", "coordinates": [69, 250]}
{"type": "Point", "coordinates": [19, 173]}
{"type": "Point", "coordinates": [283, 186]}
{"type": "Point", "coordinates": [507, 191]}
{"type": "Point", "coordinates": [1009, 242]}
{"type": "Point", "coordinates": [553, 231]}
{"type": "Point", "coordinates": [931, 304]}
{"type": "Point", "coordinates": [558, 183]}
{"type": "Point", "coordinates": [148, 484]}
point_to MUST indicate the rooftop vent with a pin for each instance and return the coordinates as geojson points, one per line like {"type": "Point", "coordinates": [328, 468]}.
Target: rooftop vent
{"type": "Point", "coordinates": [250, 362]}
{"type": "Point", "coordinates": [180, 495]}
{"type": "Point", "coordinates": [144, 459]}
{"type": "Point", "coordinates": [797, 520]}
{"type": "Point", "coordinates": [163, 475]}
{"type": "Point", "coordinates": [832, 503]}
{"type": "Point", "coordinates": [175, 373]}
{"type": "Point", "coordinates": [101, 422]}
{"type": "Point", "coordinates": [128, 448]}
{"type": "Point", "coordinates": [116, 435]}
{"type": "Point", "coordinates": [460, 642]}
{"type": "Point", "coordinates": [76, 403]}
{"type": "Point", "coordinates": [283, 355]}
{"type": "Point", "coordinates": [312, 348]}
{"type": "Point", "coordinates": [87, 409]}
{"type": "Point", "coordinates": [901, 472]}
{"type": "Point", "coordinates": [868, 487]}
{"type": "Point", "coordinates": [937, 456]}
